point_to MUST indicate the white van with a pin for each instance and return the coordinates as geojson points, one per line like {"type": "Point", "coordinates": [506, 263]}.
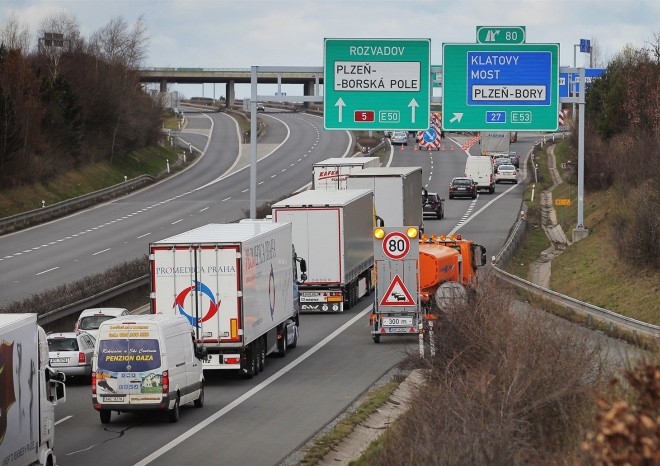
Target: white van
{"type": "Point", "coordinates": [480, 169]}
{"type": "Point", "coordinates": [90, 319]}
{"type": "Point", "coordinates": [146, 362]}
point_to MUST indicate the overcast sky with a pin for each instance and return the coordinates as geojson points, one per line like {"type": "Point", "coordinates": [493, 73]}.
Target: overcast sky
{"type": "Point", "coordinates": [243, 33]}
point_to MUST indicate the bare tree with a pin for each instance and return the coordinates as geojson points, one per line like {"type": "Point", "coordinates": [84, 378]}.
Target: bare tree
{"type": "Point", "coordinates": [15, 34]}
{"type": "Point", "coordinates": [63, 24]}
{"type": "Point", "coordinates": [121, 44]}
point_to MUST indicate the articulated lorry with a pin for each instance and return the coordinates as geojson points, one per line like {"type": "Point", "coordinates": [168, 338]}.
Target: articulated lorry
{"type": "Point", "coordinates": [332, 230]}
{"type": "Point", "coordinates": [495, 142]}
{"type": "Point", "coordinates": [29, 392]}
{"type": "Point", "coordinates": [333, 173]}
{"type": "Point", "coordinates": [237, 284]}
{"type": "Point", "coordinates": [397, 193]}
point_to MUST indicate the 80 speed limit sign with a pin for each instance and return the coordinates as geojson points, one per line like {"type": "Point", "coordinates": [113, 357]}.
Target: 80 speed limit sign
{"type": "Point", "coordinates": [396, 245]}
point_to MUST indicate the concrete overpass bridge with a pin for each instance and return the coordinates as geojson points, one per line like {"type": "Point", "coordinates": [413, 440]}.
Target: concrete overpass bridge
{"type": "Point", "coordinates": [308, 77]}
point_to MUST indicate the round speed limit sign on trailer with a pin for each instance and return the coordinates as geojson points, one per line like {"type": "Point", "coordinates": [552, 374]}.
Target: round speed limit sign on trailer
{"type": "Point", "coordinates": [396, 245]}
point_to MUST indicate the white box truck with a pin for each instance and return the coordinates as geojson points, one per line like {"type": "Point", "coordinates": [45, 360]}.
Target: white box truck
{"type": "Point", "coordinates": [397, 193]}
{"type": "Point", "coordinates": [332, 173]}
{"type": "Point", "coordinates": [29, 392]}
{"type": "Point", "coordinates": [495, 142]}
{"type": "Point", "coordinates": [332, 230]}
{"type": "Point", "coordinates": [237, 284]}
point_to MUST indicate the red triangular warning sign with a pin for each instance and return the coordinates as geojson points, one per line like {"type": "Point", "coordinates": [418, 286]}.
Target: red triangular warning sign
{"type": "Point", "coordinates": [397, 294]}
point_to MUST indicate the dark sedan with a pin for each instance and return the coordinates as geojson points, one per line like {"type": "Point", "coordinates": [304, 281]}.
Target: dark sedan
{"type": "Point", "coordinates": [462, 187]}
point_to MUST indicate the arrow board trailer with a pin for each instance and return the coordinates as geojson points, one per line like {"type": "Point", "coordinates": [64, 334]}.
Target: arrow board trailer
{"type": "Point", "coordinates": [396, 306]}
{"type": "Point", "coordinates": [332, 230]}
{"type": "Point", "coordinates": [332, 173]}
{"type": "Point", "coordinates": [236, 285]}
{"type": "Point", "coordinates": [397, 193]}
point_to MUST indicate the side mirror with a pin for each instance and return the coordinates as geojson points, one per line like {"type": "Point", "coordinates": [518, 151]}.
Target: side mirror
{"type": "Point", "coordinates": [201, 352]}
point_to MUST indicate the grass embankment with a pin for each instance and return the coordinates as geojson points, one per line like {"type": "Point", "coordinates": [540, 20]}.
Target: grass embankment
{"type": "Point", "coordinates": [589, 270]}
{"type": "Point", "coordinates": [150, 160]}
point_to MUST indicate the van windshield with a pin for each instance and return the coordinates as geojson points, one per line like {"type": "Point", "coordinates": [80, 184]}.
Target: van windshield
{"type": "Point", "coordinates": [135, 355]}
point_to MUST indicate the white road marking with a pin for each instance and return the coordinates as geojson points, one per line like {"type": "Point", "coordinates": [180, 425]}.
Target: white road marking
{"type": "Point", "coordinates": [202, 210]}
{"type": "Point", "coordinates": [142, 236]}
{"type": "Point", "coordinates": [226, 199]}
{"type": "Point", "coordinates": [463, 223]}
{"type": "Point", "coordinates": [46, 271]}
{"type": "Point", "coordinates": [218, 414]}
{"type": "Point", "coordinates": [63, 419]}
{"type": "Point", "coordinates": [101, 252]}
{"type": "Point", "coordinates": [180, 220]}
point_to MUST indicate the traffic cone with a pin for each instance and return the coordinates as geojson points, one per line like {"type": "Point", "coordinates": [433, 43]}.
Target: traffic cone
{"type": "Point", "coordinates": [416, 147]}
{"type": "Point", "coordinates": [401, 147]}
{"type": "Point", "coordinates": [451, 148]}
{"type": "Point", "coordinates": [443, 148]}
{"type": "Point", "coordinates": [429, 148]}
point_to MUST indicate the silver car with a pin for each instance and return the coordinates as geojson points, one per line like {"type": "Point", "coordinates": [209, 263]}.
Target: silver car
{"type": "Point", "coordinates": [71, 353]}
{"type": "Point", "coordinates": [399, 137]}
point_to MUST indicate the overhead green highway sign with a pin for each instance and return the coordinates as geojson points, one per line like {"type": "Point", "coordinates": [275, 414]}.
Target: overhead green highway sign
{"type": "Point", "coordinates": [500, 87]}
{"type": "Point", "coordinates": [501, 34]}
{"type": "Point", "coordinates": [377, 84]}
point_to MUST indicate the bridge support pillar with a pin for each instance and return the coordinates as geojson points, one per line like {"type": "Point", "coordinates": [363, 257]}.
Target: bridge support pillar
{"type": "Point", "coordinates": [230, 93]}
{"type": "Point", "coordinates": [308, 89]}
{"type": "Point", "coordinates": [163, 85]}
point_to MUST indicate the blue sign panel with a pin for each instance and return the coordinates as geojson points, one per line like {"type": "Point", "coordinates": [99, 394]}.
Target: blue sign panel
{"type": "Point", "coordinates": [496, 117]}
{"type": "Point", "coordinates": [430, 135]}
{"type": "Point", "coordinates": [565, 80]}
{"type": "Point", "coordinates": [509, 78]}
{"type": "Point", "coordinates": [585, 45]}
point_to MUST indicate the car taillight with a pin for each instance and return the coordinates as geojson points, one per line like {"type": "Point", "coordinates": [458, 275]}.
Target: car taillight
{"type": "Point", "coordinates": [81, 358]}
{"type": "Point", "coordinates": [93, 383]}
{"type": "Point", "coordinates": [166, 382]}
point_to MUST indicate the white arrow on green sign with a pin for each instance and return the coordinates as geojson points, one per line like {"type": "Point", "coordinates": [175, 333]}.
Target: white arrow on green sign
{"type": "Point", "coordinates": [377, 84]}
{"type": "Point", "coordinates": [500, 87]}
{"type": "Point", "coordinates": [501, 34]}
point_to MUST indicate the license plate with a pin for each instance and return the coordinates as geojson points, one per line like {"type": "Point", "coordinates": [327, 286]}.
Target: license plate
{"type": "Point", "coordinates": [397, 330]}
{"type": "Point", "coordinates": [397, 321]}
{"type": "Point", "coordinates": [462, 189]}
{"type": "Point", "coordinates": [113, 398]}
{"type": "Point", "coordinates": [59, 360]}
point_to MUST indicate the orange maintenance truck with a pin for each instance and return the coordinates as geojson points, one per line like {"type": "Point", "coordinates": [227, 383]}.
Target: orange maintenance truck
{"type": "Point", "coordinates": [447, 270]}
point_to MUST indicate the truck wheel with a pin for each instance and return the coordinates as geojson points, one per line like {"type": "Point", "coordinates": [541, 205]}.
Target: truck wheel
{"type": "Point", "coordinates": [199, 402]}
{"type": "Point", "coordinates": [376, 338]}
{"type": "Point", "coordinates": [105, 416]}
{"type": "Point", "coordinates": [173, 414]}
{"type": "Point", "coordinates": [295, 339]}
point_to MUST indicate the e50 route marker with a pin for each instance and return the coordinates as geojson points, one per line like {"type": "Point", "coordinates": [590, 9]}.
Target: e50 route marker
{"type": "Point", "coordinates": [391, 78]}
{"type": "Point", "coordinates": [515, 87]}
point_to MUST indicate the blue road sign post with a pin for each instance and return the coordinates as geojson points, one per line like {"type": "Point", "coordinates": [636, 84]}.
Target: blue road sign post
{"type": "Point", "coordinates": [585, 45]}
{"type": "Point", "coordinates": [515, 87]}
